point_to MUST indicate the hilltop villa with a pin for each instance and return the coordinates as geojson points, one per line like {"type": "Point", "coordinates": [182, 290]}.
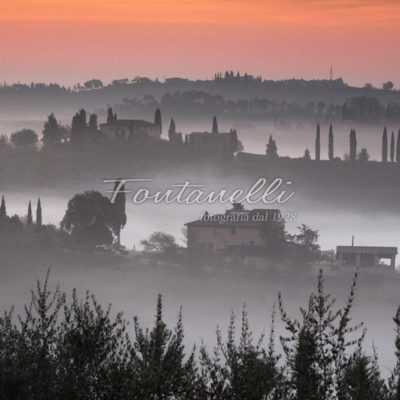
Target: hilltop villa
{"type": "Point", "coordinates": [128, 128]}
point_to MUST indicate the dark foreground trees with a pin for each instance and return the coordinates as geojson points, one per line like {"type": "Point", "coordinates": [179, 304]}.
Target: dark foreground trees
{"type": "Point", "coordinates": [78, 349]}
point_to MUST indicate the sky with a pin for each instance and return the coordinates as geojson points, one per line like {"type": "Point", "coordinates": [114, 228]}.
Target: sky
{"type": "Point", "coordinates": [73, 41]}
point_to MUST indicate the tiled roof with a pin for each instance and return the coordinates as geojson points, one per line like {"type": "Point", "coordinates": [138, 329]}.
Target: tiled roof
{"type": "Point", "coordinates": [366, 250]}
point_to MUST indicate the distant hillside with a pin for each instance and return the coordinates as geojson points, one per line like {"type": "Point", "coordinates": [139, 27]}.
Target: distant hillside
{"type": "Point", "coordinates": [36, 100]}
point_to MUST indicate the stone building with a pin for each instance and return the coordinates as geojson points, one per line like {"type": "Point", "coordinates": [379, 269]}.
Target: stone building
{"type": "Point", "coordinates": [128, 128]}
{"type": "Point", "coordinates": [238, 229]}
{"type": "Point", "coordinates": [208, 142]}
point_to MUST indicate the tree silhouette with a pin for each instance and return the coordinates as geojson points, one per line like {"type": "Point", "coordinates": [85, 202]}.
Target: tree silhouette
{"type": "Point", "coordinates": [272, 149]}
{"type": "Point", "coordinates": [318, 144]}
{"type": "Point", "coordinates": [52, 134]}
{"type": "Point", "coordinates": [39, 213]}
{"type": "Point", "coordinates": [90, 219]}
{"type": "Point", "coordinates": [398, 147]}
{"type": "Point", "coordinates": [331, 144]}
{"type": "Point", "coordinates": [392, 145]}
{"type": "Point", "coordinates": [214, 125]}
{"type": "Point", "coordinates": [160, 242]}
{"type": "Point", "coordinates": [171, 130]}
{"type": "Point", "coordinates": [353, 145]}
{"type": "Point", "coordinates": [30, 219]}
{"type": "Point", "coordinates": [307, 155]}
{"type": "Point", "coordinates": [363, 155]}
{"type": "Point", "coordinates": [157, 118]}
{"type": "Point", "coordinates": [394, 382]}
{"type": "Point", "coordinates": [111, 117]}
{"type": "Point", "coordinates": [93, 123]}
{"type": "Point", "coordinates": [78, 127]}
{"type": "Point", "coordinates": [3, 210]}
{"type": "Point", "coordinates": [388, 85]}
{"type": "Point", "coordinates": [384, 146]}
{"type": "Point", "coordinates": [24, 138]}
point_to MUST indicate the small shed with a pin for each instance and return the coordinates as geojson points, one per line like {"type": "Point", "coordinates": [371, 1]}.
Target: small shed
{"type": "Point", "coordinates": [365, 256]}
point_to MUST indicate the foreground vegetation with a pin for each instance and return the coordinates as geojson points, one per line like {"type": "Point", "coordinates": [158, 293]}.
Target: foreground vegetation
{"type": "Point", "coordinates": [77, 349]}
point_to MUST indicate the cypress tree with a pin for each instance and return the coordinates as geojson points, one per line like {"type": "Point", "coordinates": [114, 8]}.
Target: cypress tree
{"type": "Point", "coordinates": [214, 125]}
{"type": "Point", "coordinates": [392, 144]}
{"type": "Point", "coordinates": [30, 220]}
{"type": "Point", "coordinates": [93, 123]}
{"type": "Point", "coordinates": [398, 147]}
{"type": "Point", "coordinates": [384, 146]}
{"type": "Point", "coordinates": [39, 213]}
{"type": "Point", "coordinates": [331, 145]}
{"type": "Point", "coordinates": [157, 118]}
{"type": "Point", "coordinates": [78, 127]}
{"type": "Point", "coordinates": [353, 145]}
{"type": "Point", "coordinates": [111, 117]}
{"type": "Point", "coordinates": [272, 149]}
{"type": "Point", "coordinates": [171, 130]}
{"type": "Point", "coordinates": [3, 211]}
{"type": "Point", "coordinates": [318, 144]}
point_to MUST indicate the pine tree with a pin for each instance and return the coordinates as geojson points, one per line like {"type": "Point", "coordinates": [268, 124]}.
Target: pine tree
{"type": "Point", "coordinates": [214, 125]}
{"type": "Point", "coordinates": [171, 130]}
{"type": "Point", "coordinates": [394, 382]}
{"type": "Point", "coordinates": [272, 149]}
{"type": "Point", "coordinates": [30, 219]}
{"type": "Point", "coordinates": [392, 145]}
{"type": "Point", "coordinates": [318, 144]}
{"type": "Point", "coordinates": [160, 369]}
{"type": "Point", "coordinates": [331, 144]}
{"type": "Point", "coordinates": [3, 210]}
{"type": "Point", "coordinates": [384, 146]}
{"type": "Point", "coordinates": [353, 145]}
{"type": "Point", "coordinates": [398, 147]}
{"type": "Point", "coordinates": [360, 379]}
{"type": "Point", "coordinates": [307, 155]}
{"type": "Point", "coordinates": [39, 213]}
{"type": "Point", "coordinates": [315, 347]}
{"type": "Point", "coordinates": [157, 118]}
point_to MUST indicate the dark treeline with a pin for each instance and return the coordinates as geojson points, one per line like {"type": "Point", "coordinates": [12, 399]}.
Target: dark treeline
{"type": "Point", "coordinates": [77, 349]}
{"type": "Point", "coordinates": [202, 104]}
{"type": "Point", "coordinates": [39, 97]}
{"type": "Point", "coordinates": [92, 223]}
{"type": "Point", "coordinates": [90, 220]}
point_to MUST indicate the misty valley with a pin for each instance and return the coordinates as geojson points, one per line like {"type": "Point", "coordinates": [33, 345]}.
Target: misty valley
{"type": "Point", "coordinates": [223, 218]}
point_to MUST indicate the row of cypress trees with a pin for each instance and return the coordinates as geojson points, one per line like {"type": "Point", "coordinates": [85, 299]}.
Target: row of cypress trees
{"type": "Point", "coordinates": [80, 350]}
{"type": "Point", "coordinates": [393, 155]}
{"type": "Point", "coordinates": [29, 219]}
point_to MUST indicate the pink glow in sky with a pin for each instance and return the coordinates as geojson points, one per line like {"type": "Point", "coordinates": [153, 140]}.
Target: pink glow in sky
{"type": "Point", "coordinates": [72, 41]}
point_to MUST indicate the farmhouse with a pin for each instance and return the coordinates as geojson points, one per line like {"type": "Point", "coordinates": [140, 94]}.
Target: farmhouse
{"type": "Point", "coordinates": [129, 128]}
{"type": "Point", "coordinates": [238, 229]}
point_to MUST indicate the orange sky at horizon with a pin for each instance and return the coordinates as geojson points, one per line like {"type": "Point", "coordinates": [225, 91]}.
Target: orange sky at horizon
{"type": "Point", "coordinates": [71, 41]}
